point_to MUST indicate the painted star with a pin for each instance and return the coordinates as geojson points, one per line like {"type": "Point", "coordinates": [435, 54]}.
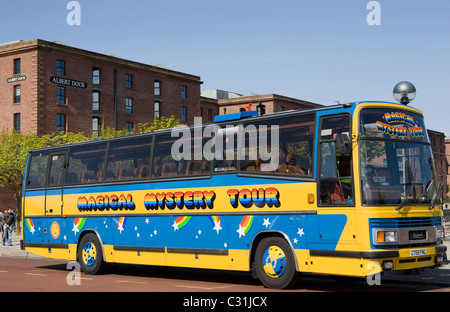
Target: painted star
{"type": "Point", "coordinates": [147, 221]}
{"type": "Point", "coordinates": [32, 230]}
{"type": "Point", "coordinates": [295, 240]}
{"type": "Point", "coordinates": [175, 226]}
{"type": "Point", "coordinates": [300, 232]}
{"type": "Point", "coordinates": [120, 228]}
{"type": "Point", "coordinates": [217, 227]}
{"type": "Point", "coordinates": [75, 229]}
{"type": "Point", "coordinates": [241, 231]}
{"type": "Point", "coordinates": [267, 223]}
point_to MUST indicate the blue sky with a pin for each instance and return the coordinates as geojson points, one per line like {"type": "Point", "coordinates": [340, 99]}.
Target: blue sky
{"type": "Point", "coordinates": [316, 50]}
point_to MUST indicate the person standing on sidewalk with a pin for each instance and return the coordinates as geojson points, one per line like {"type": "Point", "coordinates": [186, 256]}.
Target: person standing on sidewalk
{"type": "Point", "coordinates": [8, 221]}
{"type": "Point", "coordinates": [1, 221]}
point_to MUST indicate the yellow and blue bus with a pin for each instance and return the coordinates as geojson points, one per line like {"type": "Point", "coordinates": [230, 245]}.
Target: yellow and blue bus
{"type": "Point", "coordinates": [354, 184]}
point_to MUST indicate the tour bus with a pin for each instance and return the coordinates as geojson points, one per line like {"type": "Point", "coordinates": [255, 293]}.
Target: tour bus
{"type": "Point", "coordinates": [347, 190]}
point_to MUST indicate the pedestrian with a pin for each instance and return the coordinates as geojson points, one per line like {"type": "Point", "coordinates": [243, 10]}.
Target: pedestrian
{"type": "Point", "coordinates": [1, 221]}
{"type": "Point", "coordinates": [8, 221]}
{"type": "Point", "coordinates": [14, 222]}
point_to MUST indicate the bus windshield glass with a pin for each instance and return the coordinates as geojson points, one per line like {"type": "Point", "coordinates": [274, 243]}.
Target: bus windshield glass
{"type": "Point", "coordinates": [396, 160]}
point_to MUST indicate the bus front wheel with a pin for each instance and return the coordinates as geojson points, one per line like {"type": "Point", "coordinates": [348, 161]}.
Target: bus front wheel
{"type": "Point", "coordinates": [275, 264]}
{"type": "Point", "coordinates": [90, 255]}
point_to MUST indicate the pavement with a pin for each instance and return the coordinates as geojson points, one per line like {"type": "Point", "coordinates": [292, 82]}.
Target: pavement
{"type": "Point", "coordinates": [438, 276]}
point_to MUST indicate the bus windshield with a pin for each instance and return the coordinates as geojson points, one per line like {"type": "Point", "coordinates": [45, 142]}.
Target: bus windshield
{"type": "Point", "coordinates": [396, 160]}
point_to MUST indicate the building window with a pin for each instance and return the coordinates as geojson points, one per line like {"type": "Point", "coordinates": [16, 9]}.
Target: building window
{"type": "Point", "coordinates": [17, 67]}
{"type": "Point", "coordinates": [17, 122]}
{"type": "Point", "coordinates": [210, 113]}
{"type": "Point", "coordinates": [95, 124]}
{"type": "Point", "coordinates": [61, 68]}
{"type": "Point", "coordinates": [60, 123]}
{"type": "Point", "coordinates": [157, 110]}
{"type": "Point", "coordinates": [129, 106]}
{"type": "Point", "coordinates": [183, 114]}
{"type": "Point", "coordinates": [61, 95]}
{"type": "Point", "coordinates": [129, 81]}
{"type": "Point", "coordinates": [96, 76]}
{"type": "Point", "coordinates": [184, 92]}
{"type": "Point", "coordinates": [129, 126]}
{"type": "Point", "coordinates": [281, 108]}
{"type": "Point", "coordinates": [17, 94]}
{"type": "Point", "coordinates": [95, 101]}
{"type": "Point", "coordinates": [157, 87]}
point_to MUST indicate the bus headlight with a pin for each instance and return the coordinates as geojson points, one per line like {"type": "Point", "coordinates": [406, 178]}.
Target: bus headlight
{"type": "Point", "coordinates": [387, 236]}
{"type": "Point", "coordinates": [440, 233]}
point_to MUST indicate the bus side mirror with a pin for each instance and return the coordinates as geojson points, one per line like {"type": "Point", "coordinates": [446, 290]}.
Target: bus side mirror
{"type": "Point", "coordinates": [343, 143]}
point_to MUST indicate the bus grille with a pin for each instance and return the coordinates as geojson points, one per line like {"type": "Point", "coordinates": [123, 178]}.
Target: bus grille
{"type": "Point", "coordinates": [404, 222]}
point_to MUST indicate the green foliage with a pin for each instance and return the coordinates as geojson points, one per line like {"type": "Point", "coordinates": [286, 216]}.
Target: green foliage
{"type": "Point", "coordinates": [14, 149]}
{"type": "Point", "coordinates": [159, 124]}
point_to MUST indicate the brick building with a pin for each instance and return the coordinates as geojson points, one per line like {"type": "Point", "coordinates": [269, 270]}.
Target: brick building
{"type": "Point", "coordinates": [48, 87]}
{"type": "Point", "coordinates": [447, 155]}
{"type": "Point", "coordinates": [231, 102]}
{"type": "Point", "coordinates": [437, 140]}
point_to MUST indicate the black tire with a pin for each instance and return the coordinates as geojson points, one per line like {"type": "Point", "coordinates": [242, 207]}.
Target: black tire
{"type": "Point", "coordinates": [275, 264]}
{"type": "Point", "coordinates": [90, 255]}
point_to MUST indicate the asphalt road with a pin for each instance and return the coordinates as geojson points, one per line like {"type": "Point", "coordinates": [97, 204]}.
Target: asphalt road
{"type": "Point", "coordinates": [46, 275]}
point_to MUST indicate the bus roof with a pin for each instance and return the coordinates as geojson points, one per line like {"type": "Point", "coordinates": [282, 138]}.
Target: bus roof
{"type": "Point", "coordinates": [229, 118]}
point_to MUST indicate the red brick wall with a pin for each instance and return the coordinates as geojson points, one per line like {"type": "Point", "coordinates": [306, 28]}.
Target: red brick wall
{"type": "Point", "coordinates": [27, 107]}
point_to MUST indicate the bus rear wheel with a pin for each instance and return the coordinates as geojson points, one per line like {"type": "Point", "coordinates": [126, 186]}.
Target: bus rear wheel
{"type": "Point", "coordinates": [275, 264]}
{"type": "Point", "coordinates": [90, 255]}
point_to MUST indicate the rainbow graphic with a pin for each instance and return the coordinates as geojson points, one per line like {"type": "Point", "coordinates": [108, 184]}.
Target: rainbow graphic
{"type": "Point", "coordinates": [215, 221]}
{"type": "Point", "coordinates": [245, 225]}
{"type": "Point", "coordinates": [180, 222]}
{"type": "Point", "coordinates": [121, 224]}
{"type": "Point", "coordinates": [30, 225]}
{"type": "Point", "coordinates": [78, 224]}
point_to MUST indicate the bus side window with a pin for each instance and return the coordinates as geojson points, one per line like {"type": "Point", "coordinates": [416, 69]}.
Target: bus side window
{"type": "Point", "coordinates": [57, 164]}
{"type": "Point", "coordinates": [164, 164]}
{"type": "Point", "coordinates": [86, 164]}
{"type": "Point", "coordinates": [175, 157]}
{"type": "Point", "coordinates": [37, 170]}
{"type": "Point", "coordinates": [225, 159]}
{"type": "Point", "coordinates": [295, 146]}
{"type": "Point", "coordinates": [128, 160]}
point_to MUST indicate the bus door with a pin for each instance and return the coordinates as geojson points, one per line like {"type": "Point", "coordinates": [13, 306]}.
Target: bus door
{"type": "Point", "coordinates": [54, 191]}
{"type": "Point", "coordinates": [335, 187]}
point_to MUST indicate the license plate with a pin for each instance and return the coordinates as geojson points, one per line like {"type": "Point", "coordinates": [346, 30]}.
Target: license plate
{"type": "Point", "coordinates": [417, 252]}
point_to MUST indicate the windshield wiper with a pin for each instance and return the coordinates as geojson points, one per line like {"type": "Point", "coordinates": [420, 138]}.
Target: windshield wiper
{"type": "Point", "coordinates": [410, 185]}
{"type": "Point", "coordinates": [434, 193]}
{"type": "Point", "coordinates": [433, 188]}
